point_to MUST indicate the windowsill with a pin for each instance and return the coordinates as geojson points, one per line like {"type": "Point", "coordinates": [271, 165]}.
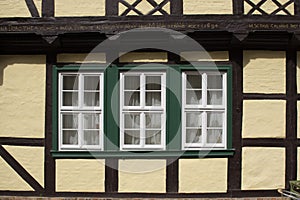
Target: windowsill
{"type": "Point", "coordinates": [143, 154]}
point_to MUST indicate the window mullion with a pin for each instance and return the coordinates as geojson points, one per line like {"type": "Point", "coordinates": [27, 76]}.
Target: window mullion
{"type": "Point", "coordinates": [204, 129]}
{"type": "Point", "coordinates": [142, 129]}
{"type": "Point", "coordinates": [80, 129]}
{"type": "Point", "coordinates": [204, 90]}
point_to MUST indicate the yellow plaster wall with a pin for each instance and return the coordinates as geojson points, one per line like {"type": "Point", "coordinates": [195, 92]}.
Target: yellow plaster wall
{"type": "Point", "coordinates": [144, 7]}
{"type": "Point", "coordinates": [10, 180]}
{"type": "Point", "coordinates": [205, 56]}
{"type": "Point", "coordinates": [144, 57]}
{"type": "Point", "coordinates": [263, 168]}
{"type": "Point", "coordinates": [203, 175]}
{"type": "Point", "coordinates": [263, 118]}
{"type": "Point", "coordinates": [22, 96]}
{"type": "Point", "coordinates": [79, 8]}
{"type": "Point", "coordinates": [264, 72]}
{"type": "Point", "coordinates": [14, 8]}
{"type": "Point", "coordinates": [142, 176]}
{"type": "Point", "coordinates": [269, 7]}
{"type": "Point", "coordinates": [81, 58]}
{"type": "Point", "coordinates": [80, 175]}
{"type": "Point", "coordinates": [192, 7]}
{"type": "Point", "coordinates": [31, 158]}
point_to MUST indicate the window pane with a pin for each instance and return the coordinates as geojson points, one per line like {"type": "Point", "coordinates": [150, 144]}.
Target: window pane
{"type": "Point", "coordinates": [194, 81]}
{"type": "Point", "coordinates": [132, 120]}
{"type": "Point", "coordinates": [91, 98]}
{"type": "Point", "coordinates": [194, 97]}
{"type": "Point", "coordinates": [214, 82]}
{"type": "Point", "coordinates": [132, 99]}
{"type": "Point", "coordinates": [214, 136]}
{"type": "Point", "coordinates": [91, 138]}
{"type": "Point", "coordinates": [214, 97]}
{"type": "Point", "coordinates": [91, 82]}
{"type": "Point", "coordinates": [70, 121]}
{"type": "Point", "coordinates": [193, 136]}
{"type": "Point", "coordinates": [153, 98]}
{"type": "Point", "coordinates": [70, 98]}
{"type": "Point", "coordinates": [194, 119]}
{"type": "Point", "coordinates": [153, 120]}
{"type": "Point", "coordinates": [132, 82]}
{"type": "Point", "coordinates": [70, 82]}
{"type": "Point", "coordinates": [153, 137]}
{"type": "Point", "coordinates": [215, 119]}
{"type": "Point", "coordinates": [132, 137]}
{"type": "Point", "coordinates": [153, 82]}
{"type": "Point", "coordinates": [70, 137]}
{"type": "Point", "coordinates": [91, 121]}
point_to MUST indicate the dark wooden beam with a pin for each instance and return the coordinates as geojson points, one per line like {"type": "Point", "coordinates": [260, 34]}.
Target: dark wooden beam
{"type": "Point", "coordinates": [176, 7]}
{"type": "Point", "coordinates": [234, 163]}
{"type": "Point", "coordinates": [253, 96]}
{"type": "Point", "coordinates": [263, 142]}
{"type": "Point", "coordinates": [13, 163]}
{"type": "Point", "coordinates": [32, 8]}
{"type": "Point", "coordinates": [48, 8]}
{"type": "Point", "coordinates": [172, 176]}
{"type": "Point", "coordinates": [238, 7]}
{"type": "Point", "coordinates": [49, 167]}
{"type": "Point", "coordinates": [111, 175]}
{"type": "Point", "coordinates": [291, 115]}
{"type": "Point", "coordinates": [111, 7]}
{"type": "Point", "coordinates": [22, 141]}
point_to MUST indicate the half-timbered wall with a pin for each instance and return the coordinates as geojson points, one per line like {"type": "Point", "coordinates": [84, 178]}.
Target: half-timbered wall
{"type": "Point", "coordinates": [262, 50]}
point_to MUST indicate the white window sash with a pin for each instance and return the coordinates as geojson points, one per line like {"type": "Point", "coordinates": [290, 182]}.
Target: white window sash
{"type": "Point", "coordinates": [143, 109]}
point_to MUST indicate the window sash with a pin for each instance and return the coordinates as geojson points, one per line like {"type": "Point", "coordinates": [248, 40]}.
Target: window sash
{"type": "Point", "coordinates": [143, 109]}
{"type": "Point", "coordinates": [204, 108]}
{"type": "Point", "coordinates": [81, 109]}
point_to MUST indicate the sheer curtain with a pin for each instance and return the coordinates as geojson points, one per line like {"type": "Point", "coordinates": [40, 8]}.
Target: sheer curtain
{"type": "Point", "coordinates": [215, 124]}
{"type": "Point", "coordinates": [153, 128]}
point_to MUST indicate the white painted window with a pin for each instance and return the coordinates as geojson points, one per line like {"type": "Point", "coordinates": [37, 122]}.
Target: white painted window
{"type": "Point", "coordinates": [80, 111]}
{"type": "Point", "coordinates": [204, 108]}
{"type": "Point", "coordinates": [143, 110]}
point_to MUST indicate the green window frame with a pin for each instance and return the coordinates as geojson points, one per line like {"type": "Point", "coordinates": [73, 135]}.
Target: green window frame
{"type": "Point", "coordinates": [111, 113]}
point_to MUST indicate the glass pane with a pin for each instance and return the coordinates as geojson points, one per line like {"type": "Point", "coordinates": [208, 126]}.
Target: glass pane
{"type": "Point", "coordinates": [91, 99]}
{"type": "Point", "coordinates": [194, 81]}
{"type": "Point", "coordinates": [214, 119]}
{"type": "Point", "coordinates": [153, 137]}
{"type": "Point", "coordinates": [91, 121]}
{"type": "Point", "coordinates": [153, 98]}
{"type": "Point", "coordinates": [132, 83]}
{"type": "Point", "coordinates": [194, 119]}
{"type": "Point", "coordinates": [132, 99]}
{"type": "Point", "coordinates": [214, 136]}
{"type": "Point", "coordinates": [91, 138]}
{"type": "Point", "coordinates": [214, 82]}
{"type": "Point", "coordinates": [70, 82]}
{"type": "Point", "coordinates": [132, 120]}
{"type": "Point", "coordinates": [91, 82]}
{"type": "Point", "coordinates": [193, 136]}
{"type": "Point", "coordinates": [70, 137]}
{"type": "Point", "coordinates": [194, 97]}
{"type": "Point", "coordinates": [153, 83]}
{"type": "Point", "coordinates": [214, 98]}
{"type": "Point", "coordinates": [132, 137]}
{"type": "Point", "coordinates": [70, 121]}
{"type": "Point", "coordinates": [70, 98]}
{"type": "Point", "coordinates": [153, 120]}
